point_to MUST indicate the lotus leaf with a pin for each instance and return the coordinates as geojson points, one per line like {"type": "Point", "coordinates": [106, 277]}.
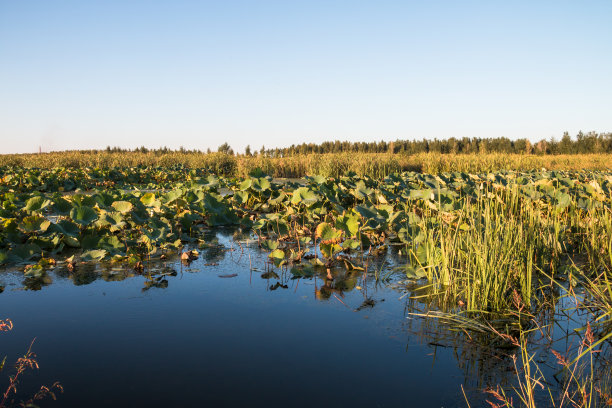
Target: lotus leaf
{"type": "Point", "coordinates": [34, 223]}
{"type": "Point", "coordinates": [304, 196]}
{"type": "Point", "coordinates": [349, 223]}
{"type": "Point", "coordinates": [83, 215]}
{"type": "Point", "coordinates": [36, 204]}
{"type": "Point", "coordinates": [278, 257]}
{"type": "Point", "coordinates": [94, 255]}
{"type": "Point", "coordinates": [24, 252]}
{"type": "Point", "coordinates": [123, 206]}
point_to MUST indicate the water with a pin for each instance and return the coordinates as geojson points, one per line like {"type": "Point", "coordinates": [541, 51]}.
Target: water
{"type": "Point", "coordinates": [197, 339]}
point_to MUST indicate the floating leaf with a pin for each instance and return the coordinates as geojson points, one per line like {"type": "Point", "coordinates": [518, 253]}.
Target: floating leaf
{"type": "Point", "coordinates": [24, 252]}
{"type": "Point", "coordinates": [277, 256]}
{"type": "Point", "coordinates": [122, 206]}
{"type": "Point", "coordinates": [94, 255]}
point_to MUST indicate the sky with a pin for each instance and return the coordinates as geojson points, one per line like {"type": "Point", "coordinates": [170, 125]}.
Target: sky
{"type": "Point", "coordinates": [90, 74]}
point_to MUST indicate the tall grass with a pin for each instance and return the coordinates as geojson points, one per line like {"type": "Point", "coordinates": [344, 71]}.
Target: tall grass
{"type": "Point", "coordinates": [498, 243]}
{"type": "Point", "coordinates": [331, 164]}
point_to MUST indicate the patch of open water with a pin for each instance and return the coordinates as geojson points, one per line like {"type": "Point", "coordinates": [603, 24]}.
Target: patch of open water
{"type": "Point", "coordinates": [204, 337]}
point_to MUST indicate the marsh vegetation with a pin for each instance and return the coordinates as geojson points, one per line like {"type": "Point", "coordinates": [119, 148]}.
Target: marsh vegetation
{"type": "Point", "coordinates": [498, 260]}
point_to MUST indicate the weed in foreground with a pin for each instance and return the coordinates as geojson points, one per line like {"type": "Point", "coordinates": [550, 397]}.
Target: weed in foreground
{"type": "Point", "coordinates": [26, 362]}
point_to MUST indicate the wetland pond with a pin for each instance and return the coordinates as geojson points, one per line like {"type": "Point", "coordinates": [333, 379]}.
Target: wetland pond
{"type": "Point", "coordinates": [230, 330]}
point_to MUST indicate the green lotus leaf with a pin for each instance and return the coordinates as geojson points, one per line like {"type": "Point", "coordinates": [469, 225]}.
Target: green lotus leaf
{"type": "Point", "coordinates": [278, 257]}
{"type": "Point", "coordinates": [316, 179]}
{"type": "Point", "coordinates": [172, 196]}
{"type": "Point", "coordinates": [71, 241]}
{"type": "Point", "coordinates": [69, 185]}
{"type": "Point", "coordinates": [245, 185]}
{"type": "Point", "coordinates": [68, 227]}
{"type": "Point", "coordinates": [111, 243]}
{"type": "Point", "coordinates": [326, 232]}
{"type": "Point", "coordinates": [269, 245]}
{"type": "Point", "coordinates": [280, 227]}
{"type": "Point", "coordinates": [214, 204]}
{"type": "Point", "coordinates": [211, 181]}
{"type": "Point", "coordinates": [103, 199]}
{"type": "Point", "coordinates": [24, 252]}
{"type": "Point", "coordinates": [561, 200]}
{"type": "Point", "coordinates": [90, 242]}
{"type": "Point", "coordinates": [148, 199]}
{"type": "Point", "coordinates": [122, 206]}
{"type": "Point", "coordinates": [360, 191]}
{"type": "Point", "coordinates": [260, 184]}
{"type": "Point", "coordinates": [350, 244]}
{"type": "Point", "coordinates": [424, 194]}
{"type": "Point", "coordinates": [303, 195]}
{"type": "Point", "coordinates": [349, 223]}
{"type": "Point", "coordinates": [94, 255]}
{"type": "Point", "coordinates": [277, 254]}
{"type": "Point", "coordinates": [329, 250]}
{"type": "Point", "coordinates": [139, 217]}
{"type": "Point", "coordinates": [219, 213]}
{"type": "Point", "coordinates": [83, 200]}
{"type": "Point", "coordinates": [259, 224]}
{"type": "Point", "coordinates": [279, 200]}
{"type": "Point", "coordinates": [83, 215]}
{"type": "Point", "coordinates": [367, 213]}
{"type": "Point", "coordinates": [61, 206]}
{"type": "Point", "coordinates": [114, 220]}
{"type": "Point", "coordinates": [241, 197]}
{"type": "Point", "coordinates": [415, 273]}
{"type": "Point", "coordinates": [36, 204]}
{"type": "Point", "coordinates": [34, 223]}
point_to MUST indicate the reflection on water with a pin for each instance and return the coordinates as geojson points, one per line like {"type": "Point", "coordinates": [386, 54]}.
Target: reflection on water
{"type": "Point", "coordinates": [229, 329]}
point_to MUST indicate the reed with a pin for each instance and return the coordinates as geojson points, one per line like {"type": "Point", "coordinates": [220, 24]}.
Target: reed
{"type": "Point", "coordinates": [376, 165]}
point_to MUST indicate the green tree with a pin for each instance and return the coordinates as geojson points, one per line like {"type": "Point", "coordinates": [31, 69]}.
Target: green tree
{"type": "Point", "coordinates": [225, 148]}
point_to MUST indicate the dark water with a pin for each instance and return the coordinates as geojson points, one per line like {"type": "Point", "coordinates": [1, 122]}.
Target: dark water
{"type": "Point", "coordinates": [201, 340]}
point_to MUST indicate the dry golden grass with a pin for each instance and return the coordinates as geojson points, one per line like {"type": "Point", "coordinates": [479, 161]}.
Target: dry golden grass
{"type": "Point", "coordinates": [330, 164]}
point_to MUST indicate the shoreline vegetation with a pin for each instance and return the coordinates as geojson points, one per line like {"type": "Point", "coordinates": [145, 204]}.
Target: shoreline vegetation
{"type": "Point", "coordinates": [325, 164]}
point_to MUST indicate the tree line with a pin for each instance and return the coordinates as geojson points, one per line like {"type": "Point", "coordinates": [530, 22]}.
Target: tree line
{"type": "Point", "coordinates": [591, 142]}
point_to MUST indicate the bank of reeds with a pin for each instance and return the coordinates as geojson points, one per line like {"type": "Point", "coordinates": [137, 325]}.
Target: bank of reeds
{"type": "Point", "coordinates": [331, 164]}
{"type": "Point", "coordinates": [500, 242]}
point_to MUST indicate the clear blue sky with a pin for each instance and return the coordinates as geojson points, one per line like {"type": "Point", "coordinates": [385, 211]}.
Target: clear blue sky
{"type": "Point", "coordinates": [87, 74]}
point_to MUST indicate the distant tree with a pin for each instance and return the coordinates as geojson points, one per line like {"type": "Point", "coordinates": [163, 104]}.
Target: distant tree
{"type": "Point", "coordinates": [225, 148]}
{"type": "Point", "coordinates": [565, 145]}
{"type": "Point", "coordinates": [247, 151]}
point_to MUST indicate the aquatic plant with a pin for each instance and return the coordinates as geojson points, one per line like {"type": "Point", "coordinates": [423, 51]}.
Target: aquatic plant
{"type": "Point", "coordinates": [27, 361]}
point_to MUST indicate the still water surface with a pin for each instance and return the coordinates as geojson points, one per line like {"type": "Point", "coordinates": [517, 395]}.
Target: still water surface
{"type": "Point", "coordinates": [198, 339]}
